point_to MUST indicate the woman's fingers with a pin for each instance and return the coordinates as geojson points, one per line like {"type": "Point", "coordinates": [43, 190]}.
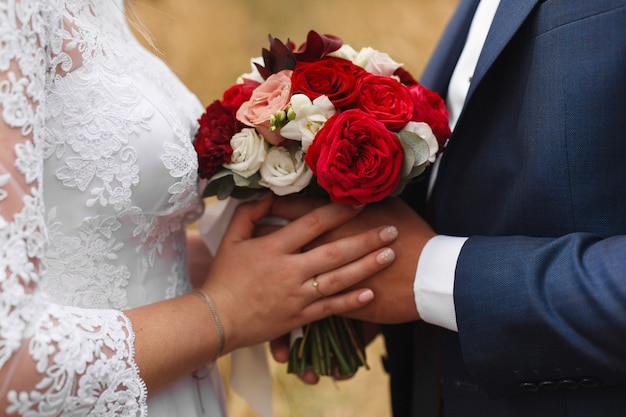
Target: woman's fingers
{"type": "Point", "coordinates": [273, 278]}
{"type": "Point", "coordinates": [327, 289]}
{"type": "Point", "coordinates": [337, 304]}
{"type": "Point", "coordinates": [339, 253]}
{"type": "Point", "coordinates": [246, 216]}
{"type": "Point", "coordinates": [337, 280]}
{"type": "Point", "coordinates": [308, 227]}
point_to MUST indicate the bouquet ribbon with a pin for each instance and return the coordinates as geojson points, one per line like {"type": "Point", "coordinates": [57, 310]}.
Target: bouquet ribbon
{"type": "Point", "coordinates": [249, 371]}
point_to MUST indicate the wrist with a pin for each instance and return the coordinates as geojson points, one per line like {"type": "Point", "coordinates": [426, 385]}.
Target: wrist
{"type": "Point", "coordinates": [215, 320]}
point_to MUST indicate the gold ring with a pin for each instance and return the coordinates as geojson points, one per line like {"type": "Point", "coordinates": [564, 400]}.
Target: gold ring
{"type": "Point", "coordinates": [317, 287]}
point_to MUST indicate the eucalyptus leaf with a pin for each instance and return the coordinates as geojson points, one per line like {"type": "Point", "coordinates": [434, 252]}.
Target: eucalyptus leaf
{"type": "Point", "coordinates": [401, 186]}
{"type": "Point", "coordinates": [243, 181]}
{"type": "Point", "coordinates": [221, 173]}
{"type": "Point", "coordinates": [221, 185]}
{"type": "Point", "coordinates": [225, 187]}
{"type": "Point", "coordinates": [416, 153]}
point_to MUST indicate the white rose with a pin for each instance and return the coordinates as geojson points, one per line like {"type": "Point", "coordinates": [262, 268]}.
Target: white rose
{"type": "Point", "coordinates": [309, 119]}
{"type": "Point", "coordinates": [376, 62]}
{"type": "Point", "coordinates": [345, 52]}
{"type": "Point", "coordinates": [254, 75]}
{"type": "Point", "coordinates": [425, 132]}
{"type": "Point", "coordinates": [249, 151]}
{"type": "Point", "coordinates": [285, 172]}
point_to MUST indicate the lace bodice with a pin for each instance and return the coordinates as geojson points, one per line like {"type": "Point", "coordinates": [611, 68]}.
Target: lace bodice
{"type": "Point", "coordinates": [97, 180]}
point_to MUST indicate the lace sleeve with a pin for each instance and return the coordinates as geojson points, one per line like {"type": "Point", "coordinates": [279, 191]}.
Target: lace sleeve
{"type": "Point", "coordinates": [54, 360]}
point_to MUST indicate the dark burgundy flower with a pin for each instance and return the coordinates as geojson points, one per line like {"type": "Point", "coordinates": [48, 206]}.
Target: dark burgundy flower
{"type": "Point", "coordinates": [317, 46]}
{"type": "Point", "coordinates": [279, 57]}
{"type": "Point", "coordinates": [212, 143]}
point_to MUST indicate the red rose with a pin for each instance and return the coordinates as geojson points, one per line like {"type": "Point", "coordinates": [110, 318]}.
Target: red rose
{"type": "Point", "coordinates": [332, 77]}
{"type": "Point", "coordinates": [356, 159]}
{"type": "Point", "coordinates": [212, 144]}
{"type": "Point", "coordinates": [431, 109]}
{"type": "Point", "coordinates": [238, 94]}
{"type": "Point", "coordinates": [386, 99]}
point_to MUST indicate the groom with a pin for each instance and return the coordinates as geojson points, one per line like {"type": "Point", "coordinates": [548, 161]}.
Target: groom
{"type": "Point", "coordinates": [524, 286]}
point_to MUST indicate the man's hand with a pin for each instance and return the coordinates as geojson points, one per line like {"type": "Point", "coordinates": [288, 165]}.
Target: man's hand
{"type": "Point", "coordinates": [394, 301]}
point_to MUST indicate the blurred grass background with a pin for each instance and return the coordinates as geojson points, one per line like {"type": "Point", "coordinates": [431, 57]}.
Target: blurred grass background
{"type": "Point", "coordinates": [208, 44]}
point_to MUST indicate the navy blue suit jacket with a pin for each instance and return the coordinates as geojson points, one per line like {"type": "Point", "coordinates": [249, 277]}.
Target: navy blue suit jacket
{"type": "Point", "coordinates": [535, 175]}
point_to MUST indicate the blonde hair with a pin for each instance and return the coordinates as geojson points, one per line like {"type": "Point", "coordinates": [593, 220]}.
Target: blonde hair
{"type": "Point", "coordinates": [137, 23]}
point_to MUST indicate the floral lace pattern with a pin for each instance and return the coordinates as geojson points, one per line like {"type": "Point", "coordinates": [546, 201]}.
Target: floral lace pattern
{"type": "Point", "coordinates": [86, 108]}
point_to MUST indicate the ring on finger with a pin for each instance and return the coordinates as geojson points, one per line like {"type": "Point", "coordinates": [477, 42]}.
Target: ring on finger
{"type": "Point", "coordinates": [316, 285]}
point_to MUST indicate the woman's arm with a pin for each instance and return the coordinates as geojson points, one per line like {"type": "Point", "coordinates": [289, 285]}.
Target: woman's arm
{"type": "Point", "coordinates": [68, 360]}
{"type": "Point", "coordinates": [199, 258]}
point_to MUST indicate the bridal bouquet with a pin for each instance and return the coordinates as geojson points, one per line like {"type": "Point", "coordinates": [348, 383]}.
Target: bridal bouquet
{"type": "Point", "coordinates": [321, 118]}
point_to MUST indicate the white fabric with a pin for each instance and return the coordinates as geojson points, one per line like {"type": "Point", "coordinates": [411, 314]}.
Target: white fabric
{"type": "Point", "coordinates": [249, 371]}
{"type": "Point", "coordinates": [97, 182]}
{"type": "Point", "coordinates": [433, 294]}
{"type": "Point", "coordinates": [464, 70]}
{"type": "Point", "coordinates": [432, 273]}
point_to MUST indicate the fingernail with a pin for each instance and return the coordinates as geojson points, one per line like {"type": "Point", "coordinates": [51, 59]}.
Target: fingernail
{"type": "Point", "coordinates": [389, 234]}
{"type": "Point", "coordinates": [386, 256]}
{"type": "Point", "coordinates": [358, 206]}
{"type": "Point", "coordinates": [366, 296]}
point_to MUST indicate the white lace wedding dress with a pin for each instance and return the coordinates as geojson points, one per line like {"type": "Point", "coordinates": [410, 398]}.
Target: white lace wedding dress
{"type": "Point", "coordinates": [97, 182]}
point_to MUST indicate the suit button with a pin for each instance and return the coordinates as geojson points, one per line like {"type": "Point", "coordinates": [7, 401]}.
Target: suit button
{"type": "Point", "coordinates": [528, 386]}
{"type": "Point", "coordinates": [568, 384]}
{"type": "Point", "coordinates": [589, 383]}
{"type": "Point", "coordinates": [547, 386]}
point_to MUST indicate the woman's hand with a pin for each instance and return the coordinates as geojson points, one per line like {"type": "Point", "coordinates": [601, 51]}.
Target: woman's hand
{"type": "Point", "coordinates": [395, 300]}
{"type": "Point", "coordinates": [263, 287]}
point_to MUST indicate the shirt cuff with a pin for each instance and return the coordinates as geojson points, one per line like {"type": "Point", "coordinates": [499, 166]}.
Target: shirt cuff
{"type": "Point", "coordinates": [434, 281]}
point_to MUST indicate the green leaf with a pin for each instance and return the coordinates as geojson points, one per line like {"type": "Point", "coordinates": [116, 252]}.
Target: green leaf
{"type": "Point", "coordinates": [226, 183]}
{"type": "Point", "coordinates": [221, 185]}
{"type": "Point", "coordinates": [416, 154]}
{"type": "Point", "coordinates": [246, 182]}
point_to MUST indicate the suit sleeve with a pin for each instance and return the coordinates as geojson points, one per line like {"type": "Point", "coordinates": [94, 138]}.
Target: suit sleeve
{"type": "Point", "coordinates": [539, 309]}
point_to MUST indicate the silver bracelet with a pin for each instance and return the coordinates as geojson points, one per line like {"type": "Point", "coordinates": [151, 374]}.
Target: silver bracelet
{"type": "Point", "coordinates": [216, 320]}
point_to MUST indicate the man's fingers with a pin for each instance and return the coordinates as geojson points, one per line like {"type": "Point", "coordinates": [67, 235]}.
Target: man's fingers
{"type": "Point", "coordinates": [280, 349]}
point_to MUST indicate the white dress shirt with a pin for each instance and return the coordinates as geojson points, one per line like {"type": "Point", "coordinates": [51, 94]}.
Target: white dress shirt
{"type": "Point", "coordinates": [434, 279]}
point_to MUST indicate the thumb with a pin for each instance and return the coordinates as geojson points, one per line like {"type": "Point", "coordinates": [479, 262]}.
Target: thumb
{"type": "Point", "coordinates": [279, 348]}
{"type": "Point", "coordinates": [246, 215]}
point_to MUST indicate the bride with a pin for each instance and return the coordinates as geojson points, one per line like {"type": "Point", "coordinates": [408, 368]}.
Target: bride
{"type": "Point", "coordinates": [97, 183]}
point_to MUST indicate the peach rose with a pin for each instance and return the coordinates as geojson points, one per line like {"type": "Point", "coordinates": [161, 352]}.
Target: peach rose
{"type": "Point", "coordinates": [268, 98]}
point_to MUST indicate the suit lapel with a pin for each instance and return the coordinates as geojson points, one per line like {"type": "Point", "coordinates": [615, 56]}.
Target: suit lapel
{"type": "Point", "coordinates": [508, 19]}
{"type": "Point", "coordinates": [437, 73]}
